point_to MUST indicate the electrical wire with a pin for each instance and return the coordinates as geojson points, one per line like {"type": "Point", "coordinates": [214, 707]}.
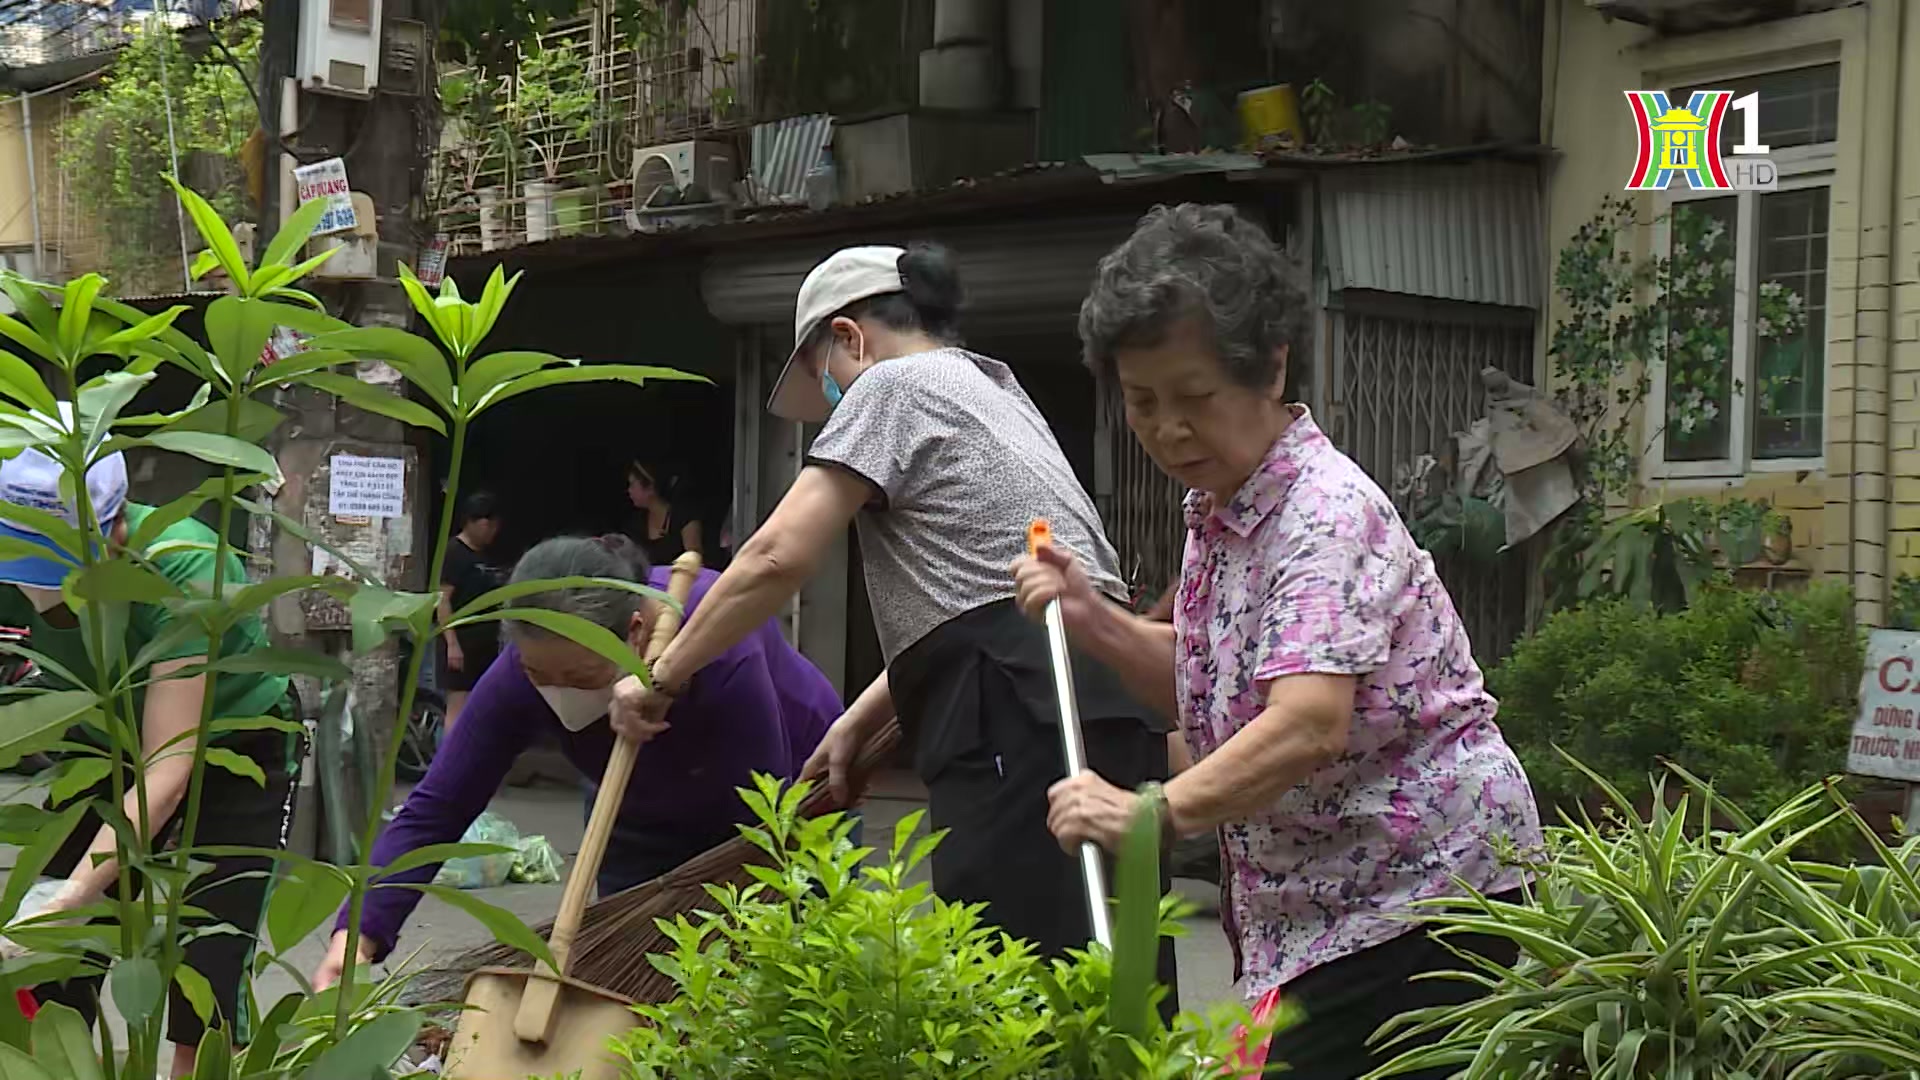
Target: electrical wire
{"type": "Point", "coordinates": [173, 163]}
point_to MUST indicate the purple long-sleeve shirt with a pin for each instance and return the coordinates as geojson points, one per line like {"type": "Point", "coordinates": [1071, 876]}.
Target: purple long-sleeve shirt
{"type": "Point", "coordinates": [761, 707]}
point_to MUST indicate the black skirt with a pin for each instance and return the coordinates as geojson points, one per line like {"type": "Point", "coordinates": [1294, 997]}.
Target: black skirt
{"type": "Point", "coordinates": [976, 704]}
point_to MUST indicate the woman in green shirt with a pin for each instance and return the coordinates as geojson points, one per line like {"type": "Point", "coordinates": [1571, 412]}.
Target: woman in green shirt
{"type": "Point", "coordinates": [237, 811]}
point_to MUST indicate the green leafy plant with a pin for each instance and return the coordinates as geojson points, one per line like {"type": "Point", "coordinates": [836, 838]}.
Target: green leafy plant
{"type": "Point", "coordinates": [1321, 106]}
{"type": "Point", "coordinates": [825, 968]}
{"type": "Point", "coordinates": [78, 418]}
{"type": "Point", "coordinates": [485, 142]}
{"type": "Point", "coordinates": [1659, 555]}
{"type": "Point", "coordinates": [1903, 603]}
{"type": "Point", "coordinates": [1741, 527]}
{"type": "Point", "coordinates": [1627, 322]}
{"type": "Point", "coordinates": [1656, 556]}
{"type": "Point", "coordinates": [1374, 123]}
{"type": "Point", "coordinates": [1449, 524]}
{"type": "Point", "coordinates": [1691, 940]}
{"type": "Point", "coordinates": [1752, 690]}
{"type": "Point", "coordinates": [555, 105]}
{"type": "Point", "coordinates": [116, 142]}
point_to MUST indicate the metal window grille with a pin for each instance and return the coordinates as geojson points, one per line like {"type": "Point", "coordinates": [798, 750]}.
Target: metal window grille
{"type": "Point", "coordinates": [686, 72]}
{"type": "Point", "coordinates": [1144, 516]}
{"type": "Point", "coordinates": [1406, 376]}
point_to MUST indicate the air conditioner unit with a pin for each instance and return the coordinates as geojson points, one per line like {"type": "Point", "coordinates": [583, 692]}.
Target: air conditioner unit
{"type": "Point", "coordinates": [707, 162]}
{"type": "Point", "coordinates": [339, 47]}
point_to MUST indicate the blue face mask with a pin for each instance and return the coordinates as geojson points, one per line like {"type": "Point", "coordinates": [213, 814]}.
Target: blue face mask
{"type": "Point", "coordinates": [830, 388]}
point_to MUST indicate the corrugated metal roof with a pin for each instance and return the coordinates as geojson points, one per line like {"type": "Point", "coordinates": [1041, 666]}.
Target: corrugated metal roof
{"type": "Point", "coordinates": [1469, 232]}
{"type": "Point", "coordinates": [784, 151]}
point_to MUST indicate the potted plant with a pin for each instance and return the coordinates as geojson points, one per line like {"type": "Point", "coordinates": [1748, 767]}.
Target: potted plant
{"type": "Point", "coordinates": [603, 192]}
{"type": "Point", "coordinates": [1778, 543]}
{"type": "Point", "coordinates": [556, 107]}
{"type": "Point", "coordinates": [477, 144]}
{"type": "Point", "coordinates": [574, 209]}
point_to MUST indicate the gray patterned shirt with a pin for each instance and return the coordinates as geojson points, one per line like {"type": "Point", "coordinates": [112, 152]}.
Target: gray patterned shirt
{"type": "Point", "coordinates": [963, 462]}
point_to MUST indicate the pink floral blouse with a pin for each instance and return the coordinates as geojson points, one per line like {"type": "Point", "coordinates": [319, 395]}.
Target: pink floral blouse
{"type": "Point", "coordinates": [1309, 570]}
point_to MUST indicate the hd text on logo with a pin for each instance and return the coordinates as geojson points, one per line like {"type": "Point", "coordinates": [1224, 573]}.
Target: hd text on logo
{"type": "Point", "coordinates": [1685, 143]}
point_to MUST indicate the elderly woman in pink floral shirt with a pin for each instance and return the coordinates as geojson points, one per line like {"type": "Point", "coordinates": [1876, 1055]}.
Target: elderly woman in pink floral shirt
{"type": "Point", "coordinates": [1341, 740]}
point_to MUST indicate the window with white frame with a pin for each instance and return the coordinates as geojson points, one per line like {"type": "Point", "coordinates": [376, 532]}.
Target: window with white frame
{"type": "Point", "coordinates": [1745, 382]}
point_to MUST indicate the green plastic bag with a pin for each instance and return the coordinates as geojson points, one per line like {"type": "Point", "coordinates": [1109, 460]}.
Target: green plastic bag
{"type": "Point", "coordinates": [482, 871]}
{"type": "Point", "coordinates": [537, 862]}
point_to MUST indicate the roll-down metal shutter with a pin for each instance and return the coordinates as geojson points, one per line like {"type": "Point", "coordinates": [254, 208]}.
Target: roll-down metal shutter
{"type": "Point", "coordinates": [1031, 275]}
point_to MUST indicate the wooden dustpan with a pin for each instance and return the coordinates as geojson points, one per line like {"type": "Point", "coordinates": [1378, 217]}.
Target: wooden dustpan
{"type": "Point", "coordinates": [521, 1023]}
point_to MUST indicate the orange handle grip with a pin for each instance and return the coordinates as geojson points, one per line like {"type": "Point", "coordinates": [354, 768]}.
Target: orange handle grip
{"type": "Point", "coordinates": [1039, 535]}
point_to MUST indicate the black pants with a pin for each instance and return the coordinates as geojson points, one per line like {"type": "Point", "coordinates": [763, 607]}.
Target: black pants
{"type": "Point", "coordinates": [477, 653]}
{"type": "Point", "coordinates": [976, 701]}
{"type": "Point", "coordinates": [1000, 852]}
{"type": "Point", "coordinates": [1345, 1003]}
{"type": "Point", "coordinates": [234, 812]}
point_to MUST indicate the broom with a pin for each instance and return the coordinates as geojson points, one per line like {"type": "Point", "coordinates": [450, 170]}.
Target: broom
{"type": "Point", "coordinates": [617, 933]}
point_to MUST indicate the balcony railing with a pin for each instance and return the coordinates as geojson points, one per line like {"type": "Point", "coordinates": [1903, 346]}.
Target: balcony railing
{"type": "Point", "coordinates": [524, 169]}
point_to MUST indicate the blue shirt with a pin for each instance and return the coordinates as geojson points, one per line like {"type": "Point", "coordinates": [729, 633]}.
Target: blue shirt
{"type": "Point", "coordinates": [761, 707]}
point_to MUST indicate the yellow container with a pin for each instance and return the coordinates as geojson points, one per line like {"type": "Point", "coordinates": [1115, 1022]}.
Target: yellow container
{"type": "Point", "coordinates": [1270, 113]}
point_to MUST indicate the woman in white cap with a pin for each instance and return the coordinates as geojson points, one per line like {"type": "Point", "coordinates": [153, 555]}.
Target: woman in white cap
{"type": "Point", "coordinates": [237, 811]}
{"type": "Point", "coordinates": [943, 461]}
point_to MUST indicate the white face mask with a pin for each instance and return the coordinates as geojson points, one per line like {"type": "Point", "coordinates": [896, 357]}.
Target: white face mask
{"type": "Point", "coordinates": [577, 707]}
{"type": "Point", "coordinates": [43, 600]}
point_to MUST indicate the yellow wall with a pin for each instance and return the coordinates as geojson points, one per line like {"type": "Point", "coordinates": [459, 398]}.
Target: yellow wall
{"type": "Point", "coordinates": [16, 222]}
{"type": "Point", "coordinates": [1859, 516]}
{"type": "Point", "coordinates": [73, 243]}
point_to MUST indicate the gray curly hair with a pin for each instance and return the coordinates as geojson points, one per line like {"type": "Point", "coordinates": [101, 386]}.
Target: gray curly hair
{"type": "Point", "coordinates": [1205, 262]}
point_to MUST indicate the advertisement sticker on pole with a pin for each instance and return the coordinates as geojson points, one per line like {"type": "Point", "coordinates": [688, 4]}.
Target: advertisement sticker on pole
{"type": "Point", "coordinates": [328, 180]}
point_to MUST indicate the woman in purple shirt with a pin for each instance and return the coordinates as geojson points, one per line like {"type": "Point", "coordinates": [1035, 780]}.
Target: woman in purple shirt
{"type": "Point", "coordinates": [760, 707]}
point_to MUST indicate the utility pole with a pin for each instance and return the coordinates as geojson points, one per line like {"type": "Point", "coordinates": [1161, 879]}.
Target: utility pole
{"type": "Point", "coordinates": [383, 136]}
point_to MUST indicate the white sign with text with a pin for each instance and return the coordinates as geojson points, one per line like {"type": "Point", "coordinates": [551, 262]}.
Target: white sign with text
{"type": "Point", "coordinates": [367, 487]}
{"type": "Point", "coordinates": [1886, 733]}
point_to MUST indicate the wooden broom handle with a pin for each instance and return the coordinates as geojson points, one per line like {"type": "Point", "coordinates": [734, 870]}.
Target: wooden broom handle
{"type": "Point", "coordinates": [536, 1005]}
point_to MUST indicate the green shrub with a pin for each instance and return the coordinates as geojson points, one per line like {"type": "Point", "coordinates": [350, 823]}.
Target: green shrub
{"type": "Point", "coordinates": [1752, 691]}
{"type": "Point", "coordinates": [822, 968]}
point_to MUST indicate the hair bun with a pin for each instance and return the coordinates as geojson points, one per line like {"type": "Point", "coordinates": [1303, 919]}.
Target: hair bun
{"type": "Point", "coordinates": [932, 283]}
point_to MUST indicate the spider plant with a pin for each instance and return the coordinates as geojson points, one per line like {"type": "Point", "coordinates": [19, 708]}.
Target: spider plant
{"type": "Point", "coordinates": [1689, 942]}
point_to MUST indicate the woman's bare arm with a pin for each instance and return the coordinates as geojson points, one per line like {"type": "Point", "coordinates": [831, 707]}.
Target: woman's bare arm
{"type": "Point", "coordinates": [1304, 726]}
{"type": "Point", "coordinates": [769, 569]}
{"type": "Point", "coordinates": [1139, 650]}
{"type": "Point", "coordinates": [167, 737]}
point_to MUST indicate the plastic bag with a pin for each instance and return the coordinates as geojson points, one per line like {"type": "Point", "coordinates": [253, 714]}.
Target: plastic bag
{"type": "Point", "coordinates": [537, 862]}
{"type": "Point", "coordinates": [483, 871]}
{"type": "Point", "coordinates": [36, 901]}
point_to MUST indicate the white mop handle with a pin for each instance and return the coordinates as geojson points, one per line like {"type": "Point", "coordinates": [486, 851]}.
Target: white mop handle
{"type": "Point", "coordinates": [1092, 870]}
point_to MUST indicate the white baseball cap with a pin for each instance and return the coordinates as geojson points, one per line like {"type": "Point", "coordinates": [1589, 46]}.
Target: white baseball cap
{"type": "Point", "coordinates": [32, 479]}
{"type": "Point", "coordinates": [847, 276]}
